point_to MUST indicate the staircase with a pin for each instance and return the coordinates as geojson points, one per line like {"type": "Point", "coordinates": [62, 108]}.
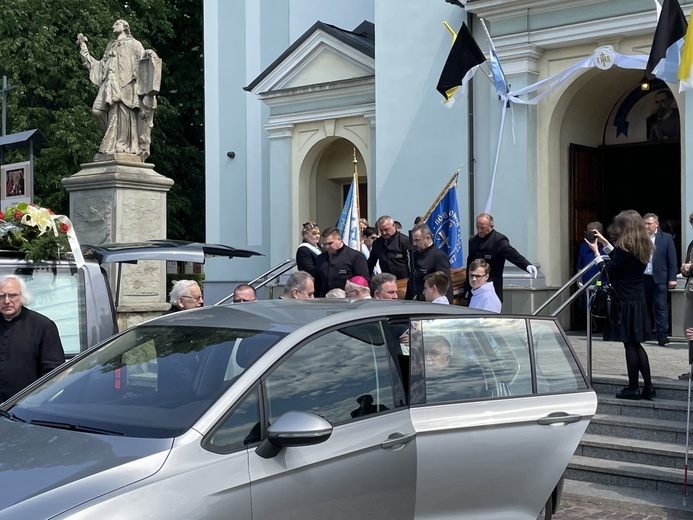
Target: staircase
{"type": "Point", "coordinates": [636, 444]}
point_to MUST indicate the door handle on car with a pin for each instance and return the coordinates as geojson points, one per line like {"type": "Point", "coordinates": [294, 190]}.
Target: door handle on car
{"type": "Point", "coordinates": [559, 419]}
{"type": "Point", "coordinates": [397, 439]}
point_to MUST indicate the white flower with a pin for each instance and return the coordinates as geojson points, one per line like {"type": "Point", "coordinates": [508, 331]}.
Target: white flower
{"type": "Point", "coordinates": [40, 218]}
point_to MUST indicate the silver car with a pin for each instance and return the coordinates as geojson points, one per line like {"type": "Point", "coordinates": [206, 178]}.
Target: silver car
{"type": "Point", "coordinates": [296, 409]}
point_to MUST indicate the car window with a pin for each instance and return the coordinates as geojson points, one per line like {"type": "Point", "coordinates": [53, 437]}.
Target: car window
{"type": "Point", "coordinates": [340, 376]}
{"type": "Point", "coordinates": [475, 358]}
{"type": "Point", "coordinates": [55, 292]}
{"type": "Point", "coordinates": [151, 381]}
{"type": "Point", "coordinates": [239, 429]}
{"type": "Point", "coordinates": [557, 368]}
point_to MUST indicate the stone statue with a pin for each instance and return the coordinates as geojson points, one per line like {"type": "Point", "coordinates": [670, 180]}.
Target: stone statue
{"type": "Point", "coordinates": [129, 78]}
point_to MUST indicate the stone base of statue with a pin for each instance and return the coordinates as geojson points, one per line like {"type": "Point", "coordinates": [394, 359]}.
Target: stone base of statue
{"type": "Point", "coordinates": [122, 199]}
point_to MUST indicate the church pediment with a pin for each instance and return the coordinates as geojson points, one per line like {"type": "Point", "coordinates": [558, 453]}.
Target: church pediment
{"type": "Point", "coordinates": [324, 54]}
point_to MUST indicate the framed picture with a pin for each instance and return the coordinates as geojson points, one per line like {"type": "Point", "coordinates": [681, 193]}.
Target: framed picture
{"type": "Point", "coordinates": [16, 182]}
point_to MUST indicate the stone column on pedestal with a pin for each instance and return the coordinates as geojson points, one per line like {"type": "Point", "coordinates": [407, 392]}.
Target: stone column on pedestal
{"type": "Point", "coordinates": [122, 199]}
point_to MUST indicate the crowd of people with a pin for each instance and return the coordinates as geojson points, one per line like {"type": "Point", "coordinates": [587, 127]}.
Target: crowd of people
{"type": "Point", "coordinates": [636, 257]}
{"type": "Point", "coordinates": [409, 258]}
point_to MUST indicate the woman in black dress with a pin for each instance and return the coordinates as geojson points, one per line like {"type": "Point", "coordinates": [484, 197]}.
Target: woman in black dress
{"type": "Point", "coordinates": [309, 249]}
{"type": "Point", "coordinates": [627, 262]}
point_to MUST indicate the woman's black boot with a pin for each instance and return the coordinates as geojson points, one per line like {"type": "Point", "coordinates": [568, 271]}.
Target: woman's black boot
{"type": "Point", "coordinates": [649, 392]}
{"type": "Point", "coordinates": [629, 393]}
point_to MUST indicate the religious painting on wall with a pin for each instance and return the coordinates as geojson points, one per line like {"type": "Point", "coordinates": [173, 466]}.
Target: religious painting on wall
{"type": "Point", "coordinates": [16, 183]}
{"type": "Point", "coordinates": [644, 116]}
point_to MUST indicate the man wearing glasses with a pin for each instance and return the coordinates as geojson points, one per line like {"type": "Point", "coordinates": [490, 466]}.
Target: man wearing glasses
{"type": "Point", "coordinates": [30, 345]}
{"type": "Point", "coordinates": [185, 294]}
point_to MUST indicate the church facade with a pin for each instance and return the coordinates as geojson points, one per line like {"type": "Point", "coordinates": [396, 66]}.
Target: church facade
{"type": "Point", "coordinates": [294, 89]}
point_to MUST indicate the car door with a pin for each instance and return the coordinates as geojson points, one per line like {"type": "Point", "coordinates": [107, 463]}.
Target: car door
{"type": "Point", "coordinates": [496, 421]}
{"type": "Point", "coordinates": [367, 468]}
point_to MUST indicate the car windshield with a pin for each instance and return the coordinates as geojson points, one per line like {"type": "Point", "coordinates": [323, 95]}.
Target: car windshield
{"type": "Point", "coordinates": [151, 381]}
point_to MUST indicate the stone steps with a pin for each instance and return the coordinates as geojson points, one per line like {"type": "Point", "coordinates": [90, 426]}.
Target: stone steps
{"type": "Point", "coordinates": [625, 474]}
{"type": "Point", "coordinates": [635, 444]}
{"type": "Point", "coordinates": [661, 454]}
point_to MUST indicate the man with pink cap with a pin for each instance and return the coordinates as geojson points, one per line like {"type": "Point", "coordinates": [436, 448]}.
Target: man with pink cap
{"type": "Point", "coordinates": [357, 288]}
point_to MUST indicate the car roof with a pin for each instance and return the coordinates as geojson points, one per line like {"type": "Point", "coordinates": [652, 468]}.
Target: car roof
{"type": "Point", "coordinates": [288, 315]}
{"type": "Point", "coordinates": [174, 250]}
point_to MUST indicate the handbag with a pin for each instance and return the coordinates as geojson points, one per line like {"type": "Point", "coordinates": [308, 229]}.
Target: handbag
{"type": "Point", "coordinates": [602, 300]}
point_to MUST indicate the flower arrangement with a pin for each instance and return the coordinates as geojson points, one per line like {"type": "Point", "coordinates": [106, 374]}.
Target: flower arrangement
{"type": "Point", "coordinates": [33, 230]}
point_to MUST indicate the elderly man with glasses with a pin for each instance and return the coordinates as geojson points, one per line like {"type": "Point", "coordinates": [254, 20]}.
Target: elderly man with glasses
{"type": "Point", "coordinates": [185, 294]}
{"type": "Point", "coordinates": [30, 345]}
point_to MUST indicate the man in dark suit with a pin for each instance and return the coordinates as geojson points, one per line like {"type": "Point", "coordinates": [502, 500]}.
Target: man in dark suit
{"type": "Point", "coordinates": [495, 248]}
{"type": "Point", "coordinates": [337, 264]}
{"type": "Point", "coordinates": [659, 275]}
{"type": "Point", "coordinates": [391, 249]}
{"type": "Point", "coordinates": [427, 259]}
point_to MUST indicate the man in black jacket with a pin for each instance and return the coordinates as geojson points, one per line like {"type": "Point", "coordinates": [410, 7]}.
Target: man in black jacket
{"type": "Point", "coordinates": [30, 346]}
{"type": "Point", "coordinates": [337, 264]}
{"type": "Point", "coordinates": [495, 248]}
{"type": "Point", "coordinates": [427, 259]}
{"type": "Point", "coordinates": [391, 249]}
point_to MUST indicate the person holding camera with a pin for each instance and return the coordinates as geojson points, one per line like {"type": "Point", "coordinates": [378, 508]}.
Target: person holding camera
{"type": "Point", "coordinates": [585, 255]}
{"type": "Point", "coordinates": [626, 265]}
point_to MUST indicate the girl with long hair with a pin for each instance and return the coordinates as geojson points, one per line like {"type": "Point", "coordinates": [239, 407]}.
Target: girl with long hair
{"type": "Point", "coordinates": [628, 322]}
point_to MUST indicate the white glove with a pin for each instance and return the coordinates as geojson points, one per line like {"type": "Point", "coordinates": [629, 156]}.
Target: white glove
{"type": "Point", "coordinates": [532, 270]}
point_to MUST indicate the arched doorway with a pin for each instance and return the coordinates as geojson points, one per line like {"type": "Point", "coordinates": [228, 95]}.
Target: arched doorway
{"type": "Point", "coordinates": [636, 166]}
{"type": "Point", "coordinates": [332, 176]}
{"type": "Point", "coordinates": [326, 174]}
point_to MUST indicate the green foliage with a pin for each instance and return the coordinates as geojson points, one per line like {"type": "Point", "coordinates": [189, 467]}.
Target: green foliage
{"type": "Point", "coordinates": [38, 54]}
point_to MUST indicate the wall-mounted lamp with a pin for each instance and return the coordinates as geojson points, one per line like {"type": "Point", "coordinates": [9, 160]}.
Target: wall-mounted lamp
{"type": "Point", "coordinates": [230, 155]}
{"type": "Point", "coordinates": [644, 83]}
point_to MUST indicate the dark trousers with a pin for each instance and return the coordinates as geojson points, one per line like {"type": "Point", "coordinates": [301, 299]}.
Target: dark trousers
{"type": "Point", "coordinates": [656, 300]}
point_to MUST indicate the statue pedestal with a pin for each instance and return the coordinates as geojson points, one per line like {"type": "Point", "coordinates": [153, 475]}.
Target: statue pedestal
{"type": "Point", "coordinates": [124, 201]}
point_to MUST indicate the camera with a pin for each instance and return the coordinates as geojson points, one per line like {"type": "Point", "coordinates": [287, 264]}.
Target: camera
{"type": "Point", "coordinates": [590, 235]}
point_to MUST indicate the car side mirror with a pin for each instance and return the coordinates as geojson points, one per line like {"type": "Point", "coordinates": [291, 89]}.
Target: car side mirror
{"type": "Point", "coordinates": [294, 429]}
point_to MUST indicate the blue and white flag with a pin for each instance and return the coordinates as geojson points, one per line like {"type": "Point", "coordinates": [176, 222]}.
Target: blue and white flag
{"type": "Point", "coordinates": [348, 224]}
{"type": "Point", "coordinates": [496, 70]}
{"type": "Point", "coordinates": [444, 222]}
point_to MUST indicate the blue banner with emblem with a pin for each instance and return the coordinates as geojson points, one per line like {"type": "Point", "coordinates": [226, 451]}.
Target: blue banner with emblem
{"type": "Point", "coordinates": [444, 222]}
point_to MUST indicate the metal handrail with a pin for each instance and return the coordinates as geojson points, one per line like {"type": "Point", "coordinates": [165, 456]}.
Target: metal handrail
{"type": "Point", "coordinates": [266, 277]}
{"type": "Point", "coordinates": [582, 288]}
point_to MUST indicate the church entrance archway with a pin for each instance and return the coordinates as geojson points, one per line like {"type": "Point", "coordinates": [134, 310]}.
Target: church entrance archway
{"type": "Point", "coordinates": [637, 166]}
{"type": "Point", "coordinates": [330, 177]}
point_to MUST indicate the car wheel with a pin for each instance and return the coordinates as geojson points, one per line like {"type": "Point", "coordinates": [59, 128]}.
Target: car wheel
{"type": "Point", "coordinates": [548, 509]}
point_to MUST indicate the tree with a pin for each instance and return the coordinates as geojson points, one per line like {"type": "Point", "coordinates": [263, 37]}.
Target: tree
{"type": "Point", "coordinates": [39, 55]}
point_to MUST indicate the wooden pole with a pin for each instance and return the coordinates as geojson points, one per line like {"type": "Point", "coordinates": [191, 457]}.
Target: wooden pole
{"type": "Point", "coordinates": [356, 194]}
{"type": "Point", "coordinates": [453, 180]}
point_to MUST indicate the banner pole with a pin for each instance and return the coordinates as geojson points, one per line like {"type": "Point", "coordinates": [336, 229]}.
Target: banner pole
{"type": "Point", "coordinates": [452, 181]}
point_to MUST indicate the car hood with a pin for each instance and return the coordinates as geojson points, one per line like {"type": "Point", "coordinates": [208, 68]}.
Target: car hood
{"type": "Point", "coordinates": [44, 471]}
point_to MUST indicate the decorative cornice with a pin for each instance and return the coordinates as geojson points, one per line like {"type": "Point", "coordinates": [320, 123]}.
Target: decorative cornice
{"type": "Point", "coordinates": [289, 120]}
{"type": "Point", "coordinates": [280, 130]}
{"type": "Point", "coordinates": [501, 9]}
{"type": "Point", "coordinates": [584, 32]}
{"type": "Point", "coordinates": [520, 59]}
{"type": "Point", "coordinates": [320, 92]}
